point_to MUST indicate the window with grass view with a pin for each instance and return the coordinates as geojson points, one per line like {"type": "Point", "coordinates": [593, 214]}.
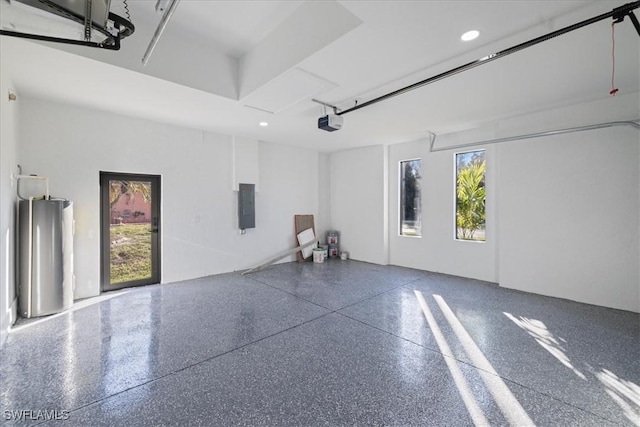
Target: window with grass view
{"type": "Point", "coordinates": [129, 230]}
{"type": "Point", "coordinates": [410, 198]}
{"type": "Point", "coordinates": [470, 196]}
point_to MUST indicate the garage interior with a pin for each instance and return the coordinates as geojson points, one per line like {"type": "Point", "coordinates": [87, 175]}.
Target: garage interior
{"type": "Point", "coordinates": [531, 321]}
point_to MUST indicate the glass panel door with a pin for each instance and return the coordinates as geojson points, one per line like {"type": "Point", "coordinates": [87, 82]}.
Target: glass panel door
{"type": "Point", "coordinates": [130, 230]}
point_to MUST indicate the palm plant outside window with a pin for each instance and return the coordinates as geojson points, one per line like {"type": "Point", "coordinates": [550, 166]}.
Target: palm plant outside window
{"type": "Point", "coordinates": [470, 196]}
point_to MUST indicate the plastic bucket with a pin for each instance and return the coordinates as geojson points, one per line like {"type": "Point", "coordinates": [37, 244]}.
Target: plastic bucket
{"type": "Point", "coordinates": [318, 255]}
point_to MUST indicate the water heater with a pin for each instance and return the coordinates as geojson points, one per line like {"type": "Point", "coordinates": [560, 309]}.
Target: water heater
{"type": "Point", "coordinates": [45, 256]}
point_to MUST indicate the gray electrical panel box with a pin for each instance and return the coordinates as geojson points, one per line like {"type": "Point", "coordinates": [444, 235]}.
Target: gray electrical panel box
{"type": "Point", "coordinates": [246, 206]}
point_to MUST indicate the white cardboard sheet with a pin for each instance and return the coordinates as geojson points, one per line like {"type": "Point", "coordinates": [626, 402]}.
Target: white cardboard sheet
{"type": "Point", "coordinates": [307, 236]}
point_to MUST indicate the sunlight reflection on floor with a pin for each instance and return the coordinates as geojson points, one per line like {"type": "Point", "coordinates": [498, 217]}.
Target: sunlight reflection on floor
{"type": "Point", "coordinates": [77, 305]}
{"type": "Point", "coordinates": [625, 393]}
{"type": "Point", "coordinates": [469, 400]}
{"type": "Point", "coordinates": [503, 397]}
{"type": "Point", "coordinates": [538, 330]}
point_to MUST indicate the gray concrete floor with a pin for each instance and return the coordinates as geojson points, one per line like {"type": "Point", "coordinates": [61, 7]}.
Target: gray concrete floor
{"type": "Point", "coordinates": [339, 343]}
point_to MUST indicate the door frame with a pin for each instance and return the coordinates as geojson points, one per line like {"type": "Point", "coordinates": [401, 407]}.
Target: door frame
{"type": "Point", "coordinates": [105, 227]}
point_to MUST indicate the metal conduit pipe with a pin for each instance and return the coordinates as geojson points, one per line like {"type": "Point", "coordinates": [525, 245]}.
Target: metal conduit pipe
{"type": "Point", "coordinates": [30, 251]}
{"type": "Point", "coordinates": [531, 135]}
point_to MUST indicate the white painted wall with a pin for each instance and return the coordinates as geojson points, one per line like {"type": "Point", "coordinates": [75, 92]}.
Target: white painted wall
{"type": "Point", "coordinates": [358, 209]}
{"type": "Point", "coordinates": [289, 186]}
{"type": "Point", "coordinates": [323, 222]}
{"type": "Point", "coordinates": [246, 162]}
{"type": "Point", "coordinates": [437, 249]}
{"type": "Point", "coordinates": [199, 220]}
{"type": "Point", "coordinates": [562, 216]}
{"type": "Point", "coordinates": [569, 217]}
{"type": "Point", "coordinates": [8, 168]}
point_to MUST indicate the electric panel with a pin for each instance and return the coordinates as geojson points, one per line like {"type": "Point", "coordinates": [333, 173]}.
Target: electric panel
{"type": "Point", "coordinates": [246, 206]}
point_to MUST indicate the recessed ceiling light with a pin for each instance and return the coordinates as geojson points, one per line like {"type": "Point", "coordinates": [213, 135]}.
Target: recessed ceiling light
{"type": "Point", "coordinates": [264, 124]}
{"type": "Point", "coordinates": [470, 35]}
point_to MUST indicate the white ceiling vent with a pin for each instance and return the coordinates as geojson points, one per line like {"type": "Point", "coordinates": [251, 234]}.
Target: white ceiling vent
{"type": "Point", "coordinates": [286, 90]}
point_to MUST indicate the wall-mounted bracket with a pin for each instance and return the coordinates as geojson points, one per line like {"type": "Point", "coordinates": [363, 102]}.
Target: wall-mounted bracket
{"type": "Point", "coordinates": [620, 12]}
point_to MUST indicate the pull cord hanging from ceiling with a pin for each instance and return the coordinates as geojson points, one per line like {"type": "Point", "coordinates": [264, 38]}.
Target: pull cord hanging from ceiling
{"type": "Point", "coordinates": [614, 89]}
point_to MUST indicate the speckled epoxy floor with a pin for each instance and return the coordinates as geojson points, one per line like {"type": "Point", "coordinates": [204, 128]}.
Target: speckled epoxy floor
{"type": "Point", "coordinates": [340, 343]}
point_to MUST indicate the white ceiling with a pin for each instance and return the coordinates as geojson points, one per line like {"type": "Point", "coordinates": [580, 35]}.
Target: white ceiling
{"type": "Point", "coordinates": [369, 48]}
{"type": "Point", "coordinates": [232, 26]}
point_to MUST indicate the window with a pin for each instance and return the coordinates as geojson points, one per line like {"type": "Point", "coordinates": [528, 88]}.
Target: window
{"type": "Point", "coordinates": [470, 196]}
{"type": "Point", "coordinates": [410, 198]}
